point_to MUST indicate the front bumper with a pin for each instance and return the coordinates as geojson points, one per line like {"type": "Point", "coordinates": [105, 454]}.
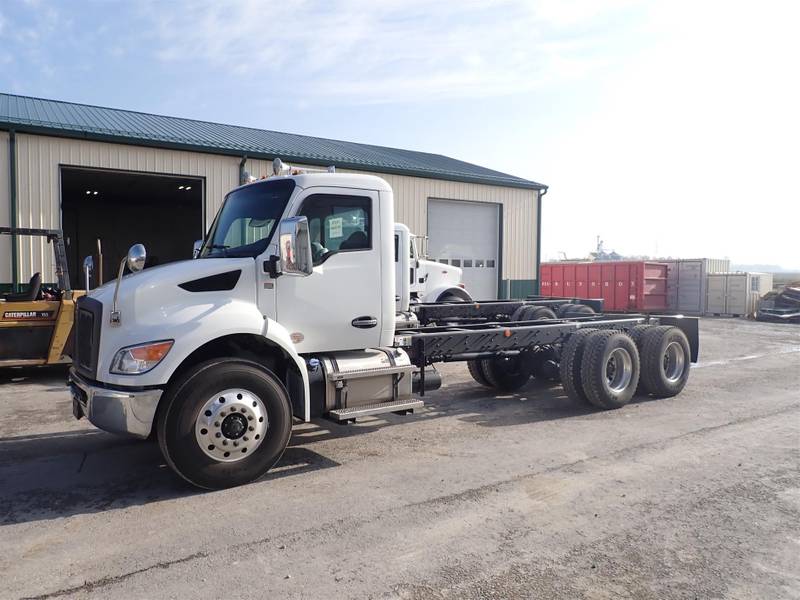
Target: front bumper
{"type": "Point", "coordinates": [125, 411]}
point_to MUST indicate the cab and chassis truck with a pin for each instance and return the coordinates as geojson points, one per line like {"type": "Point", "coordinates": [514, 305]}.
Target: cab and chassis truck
{"type": "Point", "coordinates": [292, 310]}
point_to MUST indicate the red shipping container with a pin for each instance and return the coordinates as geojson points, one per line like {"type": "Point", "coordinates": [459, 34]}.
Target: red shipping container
{"type": "Point", "coordinates": [581, 280]}
{"type": "Point", "coordinates": [557, 280]}
{"type": "Point", "coordinates": [624, 286]}
{"type": "Point", "coordinates": [569, 281]}
{"type": "Point", "coordinates": [545, 279]}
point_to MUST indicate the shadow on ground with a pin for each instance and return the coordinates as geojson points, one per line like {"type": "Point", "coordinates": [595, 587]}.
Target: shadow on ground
{"type": "Point", "coordinates": [53, 475]}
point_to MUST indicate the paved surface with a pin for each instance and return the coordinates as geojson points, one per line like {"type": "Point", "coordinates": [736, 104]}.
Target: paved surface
{"type": "Point", "coordinates": [525, 495]}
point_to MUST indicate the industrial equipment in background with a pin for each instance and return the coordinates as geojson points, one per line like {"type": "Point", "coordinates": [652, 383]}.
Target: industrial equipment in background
{"type": "Point", "coordinates": [782, 305]}
{"type": "Point", "coordinates": [36, 323]}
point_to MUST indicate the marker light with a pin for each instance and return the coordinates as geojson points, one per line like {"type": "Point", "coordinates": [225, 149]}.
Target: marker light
{"type": "Point", "coordinates": [135, 360]}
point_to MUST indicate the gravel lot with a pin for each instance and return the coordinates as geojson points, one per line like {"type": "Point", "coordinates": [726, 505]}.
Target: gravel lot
{"type": "Point", "coordinates": [476, 496]}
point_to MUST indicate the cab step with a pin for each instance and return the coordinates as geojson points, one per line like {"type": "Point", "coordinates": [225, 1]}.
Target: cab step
{"type": "Point", "coordinates": [399, 407]}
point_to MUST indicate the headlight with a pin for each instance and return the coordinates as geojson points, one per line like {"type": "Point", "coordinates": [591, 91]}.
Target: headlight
{"type": "Point", "coordinates": [135, 360]}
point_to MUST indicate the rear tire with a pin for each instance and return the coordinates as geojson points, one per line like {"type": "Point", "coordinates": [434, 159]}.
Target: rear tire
{"type": "Point", "coordinates": [570, 366]}
{"type": "Point", "coordinates": [476, 370]}
{"type": "Point", "coordinates": [250, 412]}
{"type": "Point", "coordinates": [544, 363]}
{"type": "Point", "coordinates": [636, 332]}
{"type": "Point", "coordinates": [610, 369]}
{"type": "Point", "coordinates": [665, 355]}
{"type": "Point", "coordinates": [507, 374]}
{"type": "Point", "coordinates": [537, 313]}
{"type": "Point", "coordinates": [566, 311]}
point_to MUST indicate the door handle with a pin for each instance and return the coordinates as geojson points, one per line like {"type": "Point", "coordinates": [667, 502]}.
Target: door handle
{"type": "Point", "coordinates": [364, 322]}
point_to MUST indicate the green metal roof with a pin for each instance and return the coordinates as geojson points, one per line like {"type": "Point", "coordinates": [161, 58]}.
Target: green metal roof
{"type": "Point", "coordinates": [67, 119]}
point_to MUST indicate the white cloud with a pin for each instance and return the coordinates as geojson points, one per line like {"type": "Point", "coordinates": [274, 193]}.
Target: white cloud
{"type": "Point", "coordinates": [390, 51]}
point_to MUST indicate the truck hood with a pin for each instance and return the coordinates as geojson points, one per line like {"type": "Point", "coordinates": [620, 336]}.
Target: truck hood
{"type": "Point", "coordinates": [163, 281]}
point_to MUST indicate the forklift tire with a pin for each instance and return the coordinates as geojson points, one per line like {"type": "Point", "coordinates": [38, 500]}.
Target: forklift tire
{"type": "Point", "coordinates": [238, 410]}
{"type": "Point", "coordinates": [476, 370]}
{"type": "Point", "coordinates": [566, 311]}
{"type": "Point", "coordinates": [570, 366]}
{"type": "Point", "coordinates": [610, 369]}
{"type": "Point", "coordinates": [507, 374]}
{"type": "Point", "coordinates": [666, 359]}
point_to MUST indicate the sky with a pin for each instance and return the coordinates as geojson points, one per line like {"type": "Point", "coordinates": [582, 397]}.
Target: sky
{"type": "Point", "coordinates": [666, 128]}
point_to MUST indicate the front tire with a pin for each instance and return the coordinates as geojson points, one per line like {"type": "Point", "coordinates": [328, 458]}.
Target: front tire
{"type": "Point", "coordinates": [226, 422]}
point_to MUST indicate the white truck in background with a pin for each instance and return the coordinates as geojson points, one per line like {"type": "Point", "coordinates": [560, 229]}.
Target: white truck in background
{"type": "Point", "coordinates": [428, 281]}
{"type": "Point", "coordinates": [291, 311]}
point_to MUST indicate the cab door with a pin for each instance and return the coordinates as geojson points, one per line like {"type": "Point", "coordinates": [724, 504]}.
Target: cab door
{"type": "Point", "coordinates": [338, 306]}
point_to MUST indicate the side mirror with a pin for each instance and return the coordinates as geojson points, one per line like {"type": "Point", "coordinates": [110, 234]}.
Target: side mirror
{"type": "Point", "coordinates": [294, 244]}
{"type": "Point", "coordinates": [137, 256]}
{"type": "Point", "coordinates": [198, 244]}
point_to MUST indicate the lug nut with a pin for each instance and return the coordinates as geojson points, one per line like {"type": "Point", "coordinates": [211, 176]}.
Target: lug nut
{"type": "Point", "coordinates": [236, 444]}
{"type": "Point", "coordinates": [218, 434]}
{"type": "Point", "coordinates": [216, 423]}
{"type": "Point", "coordinates": [251, 428]}
{"type": "Point", "coordinates": [224, 442]}
{"type": "Point", "coordinates": [246, 439]}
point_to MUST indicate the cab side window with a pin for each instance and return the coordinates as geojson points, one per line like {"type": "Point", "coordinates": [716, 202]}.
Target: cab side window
{"type": "Point", "coordinates": [337, 224]}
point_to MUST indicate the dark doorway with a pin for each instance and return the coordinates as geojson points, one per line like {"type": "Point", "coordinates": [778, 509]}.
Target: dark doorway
{"type": "Point", "coordinates": [165, 213]}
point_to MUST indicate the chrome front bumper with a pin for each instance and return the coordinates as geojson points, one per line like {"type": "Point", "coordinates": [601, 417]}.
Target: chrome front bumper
{"type": "Point", "coordinates": [118, 411]}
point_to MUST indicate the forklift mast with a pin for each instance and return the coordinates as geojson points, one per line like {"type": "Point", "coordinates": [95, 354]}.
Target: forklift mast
{"type": "Point", "coordinates": [57, 239]}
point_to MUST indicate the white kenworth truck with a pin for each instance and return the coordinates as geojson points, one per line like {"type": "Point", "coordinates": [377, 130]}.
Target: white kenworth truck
{"type": "Point", "coordinates": [290, 310]}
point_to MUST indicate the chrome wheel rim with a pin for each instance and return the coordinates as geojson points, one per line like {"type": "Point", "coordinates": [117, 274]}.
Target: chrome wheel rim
{"type": "Point", "coordinates": [674, 362]}
{"type": "Point", "coordinates": [231, 425]}
{"type": "Point", "coordinates": [619, 370]}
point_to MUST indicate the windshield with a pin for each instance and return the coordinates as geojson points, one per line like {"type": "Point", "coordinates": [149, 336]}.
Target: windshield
{"type": "Point", "coordinates": [247, 220]}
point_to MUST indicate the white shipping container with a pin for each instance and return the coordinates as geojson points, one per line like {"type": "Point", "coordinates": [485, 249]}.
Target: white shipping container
{"type": "Point", "coordinates": [686, 282]}
{"type": "Point", "coordinates": [736, 293]}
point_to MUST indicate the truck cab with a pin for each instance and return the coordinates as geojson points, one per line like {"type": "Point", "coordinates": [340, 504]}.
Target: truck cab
{"type": "Point", "coordinates": [294, 280]}
{"type": "Point", "coordinates": [427, 280]}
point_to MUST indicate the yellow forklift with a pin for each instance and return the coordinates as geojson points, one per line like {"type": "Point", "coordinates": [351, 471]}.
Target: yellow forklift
{"type": "Point", "coordinates": [36, 324]}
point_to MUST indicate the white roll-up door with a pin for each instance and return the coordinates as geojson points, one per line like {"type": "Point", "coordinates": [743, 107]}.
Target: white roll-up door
{"type": "Point", "coordinates": [467, 235]}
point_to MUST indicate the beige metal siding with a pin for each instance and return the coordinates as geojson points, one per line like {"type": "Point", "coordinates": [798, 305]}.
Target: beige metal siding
{"type": "Point", "coordinates": [411, 207]}
{"type": "Point", "coordinates": [39, 159]}
{"type": "Point", "coordinates": [5, 209]}
{"type": "Point", "coordinates": [38, 187]}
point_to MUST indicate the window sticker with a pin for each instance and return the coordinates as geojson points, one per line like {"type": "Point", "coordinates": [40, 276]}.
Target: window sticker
{"type": "Point", "coordinates": [335, 227]}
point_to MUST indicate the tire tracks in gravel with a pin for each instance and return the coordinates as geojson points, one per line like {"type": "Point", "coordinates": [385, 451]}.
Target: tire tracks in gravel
{"type": "Point", "coordinates": [469, 495]}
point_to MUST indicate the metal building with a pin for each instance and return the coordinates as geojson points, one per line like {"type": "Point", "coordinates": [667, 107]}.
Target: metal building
{"type": "Point", "coordinates": [110, 178]}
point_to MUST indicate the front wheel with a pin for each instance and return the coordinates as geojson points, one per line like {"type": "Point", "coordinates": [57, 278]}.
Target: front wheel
{"type": "Point", "coordinates": [226, 422]}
